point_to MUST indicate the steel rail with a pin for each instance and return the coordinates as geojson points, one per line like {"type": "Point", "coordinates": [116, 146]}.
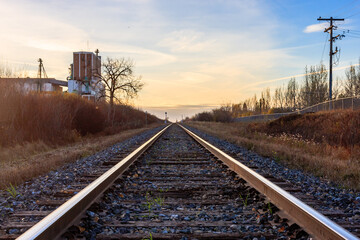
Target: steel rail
{"type": "Point", "coordinates": [312, 221]}
{"type": "Point", "coordinates": [57, 222]}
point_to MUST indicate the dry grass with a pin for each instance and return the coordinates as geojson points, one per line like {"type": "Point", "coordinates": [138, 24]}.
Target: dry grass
{"type": "Point", "coordinates": [57, 118]}
{"type": "Point", "coordinates": [336, 128]}
{"type": "Point", "coordinates": [42, 131]}
{"type": "Point", "coordinates": [23, 162]}
{"type": "Point", "coordinates": [338, 164]}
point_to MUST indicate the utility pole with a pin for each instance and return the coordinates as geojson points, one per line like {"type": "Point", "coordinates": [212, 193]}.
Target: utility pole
{"type": "Point", "coordinates": [41, 72]}
{"type": "Point", "coordinates": [332, 39]}
{"type": "Point", "coordinates": [40, 67]}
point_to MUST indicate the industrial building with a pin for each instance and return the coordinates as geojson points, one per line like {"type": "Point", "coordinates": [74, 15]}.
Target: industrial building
{"type": "Point", "coordinates": [84, 78]}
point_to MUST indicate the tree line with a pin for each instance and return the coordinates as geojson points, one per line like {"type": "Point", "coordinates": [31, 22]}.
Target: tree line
{"type": "Point", "coordinates": [294, 95]}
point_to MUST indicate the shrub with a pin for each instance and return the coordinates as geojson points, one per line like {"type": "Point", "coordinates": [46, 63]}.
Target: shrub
{"type": "Point", "coordinates": [89, 118]}
{"type": "Point", "coordinates": [204, 117]}
{"type": "Point", "coordinates": [222, 115]}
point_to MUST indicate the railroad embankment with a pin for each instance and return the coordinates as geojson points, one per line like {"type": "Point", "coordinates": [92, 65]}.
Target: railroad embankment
{"type": "Point", "coordinates": [24, 162]}
{"type": "Point", "coordinates": [40, 132]}
{"type": "Point", "coordinates": [326, 144]}
{"type": "Point", "coordinates": [337, 128]}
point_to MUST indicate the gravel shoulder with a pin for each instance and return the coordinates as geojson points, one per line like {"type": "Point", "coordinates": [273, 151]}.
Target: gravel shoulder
{"type": "Point", "coordinates": [64, 177]}
{"type": "Point", "coordinates": [329, 194]}
{"type": "Point", "coordinates": [20, 163]}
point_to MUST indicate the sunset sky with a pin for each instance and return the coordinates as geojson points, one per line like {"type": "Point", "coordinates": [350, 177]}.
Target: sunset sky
{"type": "Point", "coordinates": [192, 55]}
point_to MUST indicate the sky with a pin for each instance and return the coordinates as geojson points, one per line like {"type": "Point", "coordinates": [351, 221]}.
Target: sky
{"type": "Point", "coordinates": [192, 55]}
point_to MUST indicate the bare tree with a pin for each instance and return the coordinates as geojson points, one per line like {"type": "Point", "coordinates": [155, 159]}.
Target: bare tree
{"type": "Point", "coordinates": [267, 97]}
{"type": "Point", "coordinates": [119, 80]}
{"type": "Point", "coordinates": [244, 107]}
{"type": "Point", "coordinates": [253, 103]}
{"type": "Point", "coordinates": [352, 82]}
{"type": "Point", "coordinates": [265, 100]}
{"type": "Point", "coordinates": [291, 94]}
{"type": "Point", "coordinates": [279, 98]}
{"type": "Point", "coordinates": [236, 110]}
{"type": "Point", "coordinates": [315, 88]}
{"type": "Point", "coordinates": [7, 71]}
{"type": "Point", "coordinates": [337, 86]}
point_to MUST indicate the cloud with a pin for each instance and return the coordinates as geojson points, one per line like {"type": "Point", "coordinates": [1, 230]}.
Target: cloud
{"type": "Point", "coordinates": [315, 27]}
{"type": "Point", "coordinates": [245, 65]}
{"type": "Point", "coordinates": [186, 41]}
{"type": "Point", "coordinates": [195, 77]}
{"type": "Point", "coordinates": [144, 57]}
{"type": "Point", "coordinates": [38, 30]}
{"type": "Point", "coordinates": [43, 33]}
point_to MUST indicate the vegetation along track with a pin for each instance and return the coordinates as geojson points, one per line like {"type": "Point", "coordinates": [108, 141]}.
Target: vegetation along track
{"type": "Point", "coordinates": [179, 190]}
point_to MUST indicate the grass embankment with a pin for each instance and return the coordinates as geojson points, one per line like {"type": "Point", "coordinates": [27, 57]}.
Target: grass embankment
{"type": "Point", "coordinates": [24, 162]}
{"type": "Point", "coordinates": [326, 144]}
{"type": "Point", "coordinates": [42, 131]}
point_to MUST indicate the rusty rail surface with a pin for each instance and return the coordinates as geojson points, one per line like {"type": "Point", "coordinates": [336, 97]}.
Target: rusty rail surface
{"type": "Point", "coordinates": [52, 226]}
{"type": "Point", "coordinates": [312, 221]}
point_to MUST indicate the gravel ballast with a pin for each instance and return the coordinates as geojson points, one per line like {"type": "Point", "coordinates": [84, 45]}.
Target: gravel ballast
{"type": "Point", "coordinates": [329, 194]}
{"type": "Point", "coordinates": [48, 184]}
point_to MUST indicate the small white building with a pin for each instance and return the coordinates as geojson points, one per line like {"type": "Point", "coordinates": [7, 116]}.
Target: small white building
{"type": "Point", "coordinates": [38, 84]}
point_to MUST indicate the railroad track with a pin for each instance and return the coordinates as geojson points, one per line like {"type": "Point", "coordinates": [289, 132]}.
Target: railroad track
{"type": "Point", "coordinates": [177, 189]}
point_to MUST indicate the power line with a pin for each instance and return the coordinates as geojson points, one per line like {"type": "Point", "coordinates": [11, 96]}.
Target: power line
{"type": "Point", "coordinates": [343, 7]}
{"type": "Point", "coordinates": [349, 30]}
{"type": "Point", "coordinates": [353, 15]}
{"type": "Point", "coordinates": [351, 11]}
{"type": "Point", "coordinates": [353, 34]}
{"type": "Point", "coordinates": [322, 55]}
